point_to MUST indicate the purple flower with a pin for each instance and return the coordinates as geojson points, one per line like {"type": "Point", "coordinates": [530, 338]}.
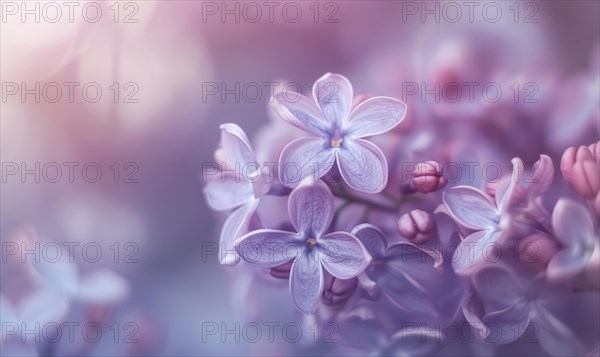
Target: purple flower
{"type": "Point", "coordinates": [402, 270]}
{"type": "Point", "coordinates": [238, 187]}
{"type": "Point", "coordinates": [311, 211]}
{"type": "Point", "coordinates": [337, 133]}
{"type": "Point", "coordinates": [575, 229]}
{"type": "Point", "coordinates": [516, 210]}
{"type": "Point", "coordinates": [505, 303]}
{"type": "Point", "coordinates": [473, 210]}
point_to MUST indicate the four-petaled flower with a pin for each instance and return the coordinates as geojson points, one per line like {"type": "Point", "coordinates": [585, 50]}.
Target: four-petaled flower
{"type": "Point", "coordinates": [337, 134]}
{"type": "Point", "coordinates": [516, 208]}
{"type": "Point", "coordinates": [311, 210]}
{"type": "Point", "coordinates": [401, 270]}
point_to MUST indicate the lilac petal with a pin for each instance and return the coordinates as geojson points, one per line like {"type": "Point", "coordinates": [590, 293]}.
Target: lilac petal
{"type": "Point", "coordinates": [372, 238]}
{"type": "Point", "coordinates": [375, 116]}
{"type": "Point", "coordinates": [311, 207]}
{"type": "Point", "coordinates": [334, 94]}
{"type": "Point", "coordinates": [303, 158]}
{"type": "Point", "coordinates": [407, 268]}
{"type": "Point", "coordinates": [362, 165]}
{"type": "Point", "coordinates": [342, 254]}
{"type": "Point", "coordinates": [498, 287]}
{"type": "Point", "coordinates": [554, 336]}
{"type": "Point", "coordinates": [268, 248]}
{"type": "Point", "coordinates": [573, 225]}
{"type": "Point", "coordinates": [237, 147]}
{"type": "Point", "coordinates": [306, 281]}
{"type": "Point", "coordinates": [228, 191]}
{"type": "Point", "coordinates": [506, 326]}
{"type": "Point", "coordinates": [478, 247]}
{"type": "Point", "coordinates": [566, 264]}
{"type": "Point", "coordinates": [541, 177]}
{"type": "Point", "coordinates": [472, 310]}
{"type": "Point", "coordinates": [302, 113]}
{"type": "Point", "coordinates": [470, 208]}
{"type": "Point", "coordinates": [235, 226]}
{"type": "Point", "coordinates": [415, 342]}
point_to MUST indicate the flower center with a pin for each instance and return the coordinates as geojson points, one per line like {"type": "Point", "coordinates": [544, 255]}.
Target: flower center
{"type": "Point", "coordinates": [336, 143]}
{"type": "Point", "coordinates": [311, 241]}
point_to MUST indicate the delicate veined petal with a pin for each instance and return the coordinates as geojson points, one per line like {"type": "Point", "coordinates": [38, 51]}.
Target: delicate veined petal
{"type": "Point", "coordinates": [372, 238]}
{"type": "Point", "coordinates": [268, 247]}
{"type": "Point", "coordinates": [302, 113]}
{"type": "Point", "coordinates": [573, 224]}
{"type": "Point", "coordinates": [362, 165]}
{"type": "Point", "coordinates": [375, 116]}
{"type": "Point", "coordinates": [415, 342]}
{"type": "Point", "coordinates": [408, 293]}
{"type": "Point", "coordinates": [413, 260]}
{"type": "Point", "coordinates": [228, 191]}
{"type": "Point", "coordinates": [303, 158]}
{"type": "Point", "coordinates": [103, 286]}
{"type": "Point", "coordinates": [311, 207]}
{"type": "Point", "coordinates": [334, 94]}
{"type": "Point", "coordinates": [470, 207]}
{"type": "Point", "coordinates": [342, 254]}
{"type": "Point", "coordinates": [235, 226]}
{"type": "Point", "coordinates": [478, 247]}
{"type": "Point", "coordinates": [237, 148]}
{"type": "Point", "coordinates": [306, 281]}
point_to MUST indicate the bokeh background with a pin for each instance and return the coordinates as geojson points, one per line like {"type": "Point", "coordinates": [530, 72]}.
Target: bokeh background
{"type": "Point", "coordinates": [173, 53]}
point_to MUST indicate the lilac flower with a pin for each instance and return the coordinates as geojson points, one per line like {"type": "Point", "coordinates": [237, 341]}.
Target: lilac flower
{"type": "Point", "coordinates": [492, 222]}
{"type": "Point", "coordinates": [402, 270]}
{"type": "Point", "coordinates": [337, 134]}
{"type": "Point", "coordinates": [239, 187]}
{"type": "Point", "coordinates": [364, 335]}
{"type": "Point", "coordinates": [506, 303]}
{"type": "Point", "coordinates": [311, 211]}
{"type": "Point", "coordinates": [576, 230]}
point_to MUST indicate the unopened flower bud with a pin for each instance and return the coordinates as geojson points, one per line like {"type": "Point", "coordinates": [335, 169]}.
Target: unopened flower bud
{"type": "Point", "coordinates": [338, 291]}
{"type": "Point", "coordinates": [428, 177]}
{"type": "Point", "coordinates": [416, 226]}
{"type": "Point", "coordinates": [580, 167]}
{"type": "Point", "coordinates": [536, 251]}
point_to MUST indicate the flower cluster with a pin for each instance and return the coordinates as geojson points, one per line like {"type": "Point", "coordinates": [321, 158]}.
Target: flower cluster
{"type": "Point", "coordinates": [381, 245]}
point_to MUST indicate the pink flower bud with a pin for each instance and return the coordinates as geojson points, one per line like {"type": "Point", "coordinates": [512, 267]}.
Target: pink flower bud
{"type": "Point", "coordinates": [416, 226]}
{"type": "Point", "coordinates": [428, 177]}
{"type": "Point", "coordinates": [580, 167]}
{"type": "Point", "coordinates": [536, 251]}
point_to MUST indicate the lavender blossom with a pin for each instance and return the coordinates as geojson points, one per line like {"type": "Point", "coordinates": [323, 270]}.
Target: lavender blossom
{"type": "Point", "coordinates": [337, 133]}
{"type": "Point", "coordinates": [401, 270]}
{"type": "Point", "coordinates": [311, 211]}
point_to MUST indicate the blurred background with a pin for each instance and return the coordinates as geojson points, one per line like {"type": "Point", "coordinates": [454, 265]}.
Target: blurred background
{"type": "Point", "coordinates": [126, 102]}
